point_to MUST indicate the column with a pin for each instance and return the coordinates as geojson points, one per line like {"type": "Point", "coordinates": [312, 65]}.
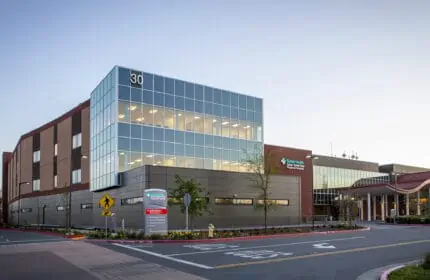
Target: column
{"type": "Point", "coordinates": [369, 215]}
{"type": "Point", "coordinates": [407, 205]}
{"type": "Point", "coordinates": [362, 209]}
{"type": "Point", "coordinates": [397, 204]}
{"type": "Point", "coordinates": [386, 205]}
{"type": "Point", "coordinates": [418, 203]}
{"type": "Point", "coordinates": [383, 208]}
{"type": "Point", "coordinates": [374, 207]}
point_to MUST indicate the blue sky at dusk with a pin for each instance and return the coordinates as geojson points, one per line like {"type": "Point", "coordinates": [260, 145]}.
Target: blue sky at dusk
{"type": "Point", "coordinates": [351, 73]}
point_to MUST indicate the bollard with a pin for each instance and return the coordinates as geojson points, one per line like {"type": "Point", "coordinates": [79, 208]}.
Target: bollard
{"type": "Point", "coordinates": [211, 230]}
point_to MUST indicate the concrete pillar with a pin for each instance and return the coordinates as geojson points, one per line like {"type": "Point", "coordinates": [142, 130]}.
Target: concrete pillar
{"type": "Point", "coordinates": [361, 210]}
{"type": "Point", "coordinates": [407, 205]}
{"type": "Point", "coordinates": [369, 215]}
{"type": "Point", "coordinates": [374, 207]}
{"type": "Point", "coordinates": [397, 204]}
{"type": "Point", "coordinates": [383, 208]}
{"type": "Point", "coordinates": [418, 204]}
{"type": "Point", "coordinates": [386, 205]}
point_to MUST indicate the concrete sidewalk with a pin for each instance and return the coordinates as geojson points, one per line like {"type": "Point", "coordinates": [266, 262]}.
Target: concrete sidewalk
{"type": "Point", "coordinates": [82, 260]}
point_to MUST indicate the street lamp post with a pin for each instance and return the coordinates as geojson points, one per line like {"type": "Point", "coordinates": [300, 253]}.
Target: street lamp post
{"type": "Point", "coordinates": [312, 157]}
{"type": "Point", "coordinates": [19, 198]}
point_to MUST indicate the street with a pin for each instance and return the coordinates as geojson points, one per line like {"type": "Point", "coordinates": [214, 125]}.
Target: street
{"type": "Point", "coordinates": [331, 256]}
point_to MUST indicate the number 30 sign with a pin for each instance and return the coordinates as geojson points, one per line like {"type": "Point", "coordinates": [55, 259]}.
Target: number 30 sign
{"type": "Point", "coordinates": [136, 79]}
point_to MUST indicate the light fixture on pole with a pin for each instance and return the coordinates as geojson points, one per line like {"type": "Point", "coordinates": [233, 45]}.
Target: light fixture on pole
{"type": "Point", "coordinates": [312, 157]}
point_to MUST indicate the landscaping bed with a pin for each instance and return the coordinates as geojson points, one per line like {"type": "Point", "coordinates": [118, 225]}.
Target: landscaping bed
{"type": "Point", "coordinates": [409, 220]}
{"type": "Point", "coordinates": [413, 272]}
{"type": "Point", "coordinates": [196, 235]}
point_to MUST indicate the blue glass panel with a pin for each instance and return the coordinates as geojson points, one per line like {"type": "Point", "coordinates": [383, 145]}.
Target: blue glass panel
{"type": "Point", "coordinates": [123, 93]}
{"type": "Point", "coordinates": [209, 140]}
{"type": "Point", "coordinates": [179, 88]}
{"type": "Point", "coordinates": [169, 85]}
{"type": "Point", "coordinates": [189, 105]}
{"type": "Point", "coordinates": [169, 135]}
{"type": "Point", "coordinates": [242, 144]}
{"type": "Point", "coordinates": [226, 154]}
{"type": "Point", "coordinates": [258, 118]}
{"type": "Point", "coordinates": [234, 144]}
{"type": "Point", "coordinates": [226, 143]}
{"type": "Point", "coordinates": [179, 137]}
{"type": "Point", "coordinates": [198, 106]}
{"type": "Point", "coordinates": [189, 138]}
{"type": "Point", "coordinates": [158, 98]}
{"type": "Point", "coordinates": [217, 110]}
{"type": "Point", "coordinates": [179, 103]}
{"type": "Point", "coordinates": [226, 111]}
{"type": "Point", "coordinates": [159, 83]}
{"type": "Point", "coordinates": [158, 134]}
{"type": "Point", "coordinates": [209, 94]}
{"type": "Point", "coordinates": [148, 81]}
{"type": "Point", "coordinates": [199, 152]}
{"type": "Point", "coordinates": [189, 90]}
{"type": "Point", "coordinates": [217, 96]}
{"type": "Point", "coordinates": [250, 116]}
{"type": "Point", "coordinates": [250, 103]}
{"type": "Point", "coordinates": [198, 92]}
{"type": "Point", "coordinates": [123, 129]}
{"type": "Point", "coordinates": [218, 154]}
{"type": "Point", "coordinates": [136, 131]}
{"type": "Point", "coordinates": [136, 95]}
{"type": "Point", "coordinates": [123, 144]}
{"type": "Point", "coordinates": [242, 102]}
{"type": "Point", "coordinates": [136, 145]}
{"type": "Point", "coordinates": [148, 97]}
{"type": "Point", "coordinates": [258, 105]}
{"type": "Point", "coordinates": [234, 113]}
{"type": "Point", "coordinates": [209, 108]}
{"type": "Point", "coordinates": [147, 132]}
{"type": "Point", "coordinates": [169, 101]}
{"type": "Point", "coordinates": [124, 76]}
{"type": "Point", "coordinates": [189, 151]}
{"type": "Point", "coordinates": [199, 139]}
{"type": "Point", "coordinates": [209, 152]}
{"type": "Point", "coordinates": [179, 149]}
{"type": "Point", "coordinates": [242, 115]}
{"type": "Point", "coordinates": [234, 99]}
{"type": "Point", "coordinates": [226, 98]}
{"type": "Point", "coordinates": [169, 148]}
{"type": "Point", "coordinates": [159, 147]}
{"type": "Point", "coordinates": [218, 141]}
{"type": "Point", "coordinates": [147, 146]}
{"type": "Point", "coordinates": [234, 155]}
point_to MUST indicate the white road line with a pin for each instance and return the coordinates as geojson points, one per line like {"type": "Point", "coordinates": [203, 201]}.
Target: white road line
{"type": "Point", "coordinates": [163, 256]}
{"type": "Point", "coordinates": [30, 241]}
{"type": "Point", "coordinates": [265, 246]}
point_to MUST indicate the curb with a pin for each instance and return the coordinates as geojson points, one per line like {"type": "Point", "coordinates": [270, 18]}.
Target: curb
{"type": "Point", "coordinates": [409, 225]}
{"type": "Point", "coordinates": [386, 273]}
{"type": "Point", "coordinates": [56, 234]}
{"type": "Point", "coordinates": [227, 239]}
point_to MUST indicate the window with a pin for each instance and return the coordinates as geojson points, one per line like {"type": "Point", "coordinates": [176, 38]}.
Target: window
{"type": "Point", "coordinates": [87, 206]}
{"type": "Point", "coordinates": [234, 201]}
{"type": "Point", "coordinates": [55, 149]}
{"type": "Point", "coordinates": [55, 181]}
{"type": "Point", "coordinates": [77, 140]}
{"type": "Point", "coordinates": [36, 156]}
{"type": "Point", "coordinates": [76, 176]}
{"type": "Point", "coordinates": [132, 201]}
{"type": "Point", "coordinates": [280, 202]}
{"type": "Point", "coordinates": [36, 185]}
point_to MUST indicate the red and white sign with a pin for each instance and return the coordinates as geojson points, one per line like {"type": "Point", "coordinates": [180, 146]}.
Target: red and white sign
{"type": "Point", "coordinates": [156, 211]}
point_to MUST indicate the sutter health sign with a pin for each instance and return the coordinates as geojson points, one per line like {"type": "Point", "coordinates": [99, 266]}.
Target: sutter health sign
{"type": "Point", "coordinates": [293, 164]}
{"type": "Point", "coordinates": [155, 211]}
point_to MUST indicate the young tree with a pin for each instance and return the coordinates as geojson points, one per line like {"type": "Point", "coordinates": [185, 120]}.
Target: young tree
{"type": "Point", "coordinates": [347, 207]}
{"type": "Point", "coordinates": [261, 166]}
{"type": "Point", "coordinates": [198, 205]}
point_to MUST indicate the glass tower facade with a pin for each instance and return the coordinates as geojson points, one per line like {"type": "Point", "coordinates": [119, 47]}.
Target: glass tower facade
{"type": "Point", "coordinates": [148, 119]}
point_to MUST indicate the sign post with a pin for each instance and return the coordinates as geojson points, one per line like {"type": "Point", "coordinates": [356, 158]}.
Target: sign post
{"type": "Point", "coordinates": [106, 202]}
{"type": "Point", "coordinates": [155, 211]}
{"type": "Point", "coordinates": [187, 201]}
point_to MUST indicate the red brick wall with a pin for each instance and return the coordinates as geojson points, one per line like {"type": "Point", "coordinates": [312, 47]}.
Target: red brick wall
{"type": "Point", "coordinates": [276, 153]}
{"type": "Point", "coordinates": [64, 152]}
{"type": "Point", "coordinates": [47, 159]}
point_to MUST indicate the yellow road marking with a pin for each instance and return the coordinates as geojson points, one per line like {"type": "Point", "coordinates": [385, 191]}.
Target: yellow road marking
{"type": "Point", "coordinates": [322, 254]}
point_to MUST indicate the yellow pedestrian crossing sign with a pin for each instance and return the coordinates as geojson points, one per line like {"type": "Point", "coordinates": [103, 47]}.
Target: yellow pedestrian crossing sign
{"type": "Point", "coordinates": [106, 201]}
{"type": "Point", "coordinates": [106, 212]}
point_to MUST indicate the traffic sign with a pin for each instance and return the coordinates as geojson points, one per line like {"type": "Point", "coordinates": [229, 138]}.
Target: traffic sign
{"type": "Point", "coordinates": [187, 200]}
{"type": "Point", "coordinates": [106, 212]}
{"type": "Point", "coordinates": [107, 201]}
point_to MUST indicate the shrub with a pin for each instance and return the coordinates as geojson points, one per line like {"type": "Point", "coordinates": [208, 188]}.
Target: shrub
{"type": "Point", "coordinates": [426, 263]}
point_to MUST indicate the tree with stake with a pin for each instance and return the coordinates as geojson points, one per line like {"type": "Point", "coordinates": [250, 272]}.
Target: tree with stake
{"type": "Point", "coordinates": [261, 167]}
{"type": "Point", "coordinates": [198, 204]}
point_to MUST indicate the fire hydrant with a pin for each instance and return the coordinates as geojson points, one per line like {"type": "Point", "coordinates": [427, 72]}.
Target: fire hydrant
{"type": "Point", "coordinates": [211, 229]}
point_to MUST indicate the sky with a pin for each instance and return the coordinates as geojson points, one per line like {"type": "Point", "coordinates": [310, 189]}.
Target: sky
{"type": "Point", "coordinates": [351, 75]}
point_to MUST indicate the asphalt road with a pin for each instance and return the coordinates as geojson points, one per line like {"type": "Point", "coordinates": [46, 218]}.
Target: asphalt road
{"type": "Point", "coordinates": [9, 237]}
{"type": "Point", "coordinates": [333, 256]}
